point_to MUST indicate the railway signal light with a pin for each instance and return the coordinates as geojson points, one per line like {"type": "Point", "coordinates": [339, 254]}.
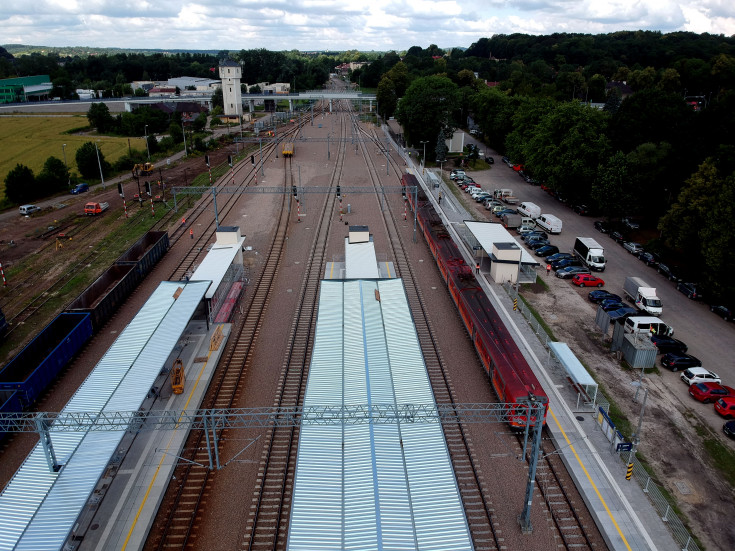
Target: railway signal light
{"type": "Point", "coordinates": [294, 191]}
{"type": "Point", "coordinates": [206, 160]}
{"type": "Point", "coordinates": [229, 160]}
{"type": "Point", "coordinates": [252, 159]}
{"type": "Point", "coordinates": [148, 188]}
{"type": "Point", "coordinates": [339, 192]}
{"type": "Point", "coordinates": [120, 191]}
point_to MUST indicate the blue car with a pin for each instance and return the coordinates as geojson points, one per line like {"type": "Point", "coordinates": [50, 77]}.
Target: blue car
{"type": "Point", "coordinates": [80, 188]}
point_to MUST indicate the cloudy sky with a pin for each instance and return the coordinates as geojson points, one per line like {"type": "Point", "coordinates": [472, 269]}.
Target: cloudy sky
{"type": "Point", "coordinates": [339, 24]}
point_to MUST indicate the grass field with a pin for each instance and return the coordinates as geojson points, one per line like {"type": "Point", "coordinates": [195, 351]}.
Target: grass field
{"type": "Point", "coordinates": [30, 140]}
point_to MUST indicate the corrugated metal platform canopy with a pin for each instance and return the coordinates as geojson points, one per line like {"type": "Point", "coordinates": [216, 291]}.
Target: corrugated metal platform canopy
{"type": "Point", "coordinates": [360, 260]}
{"type": "Point", "coordinates": [39, 507]}
{"type": "Point", "coordinates": [372, 486]}
{"type": "Point", "coordinates": [574, 368]}
{"type": "Point", "coordinates": [488, 233]}
{"type": "Point", "coordinates": [215, 264]}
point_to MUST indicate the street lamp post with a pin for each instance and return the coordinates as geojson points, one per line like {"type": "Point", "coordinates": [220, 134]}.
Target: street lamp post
{"type": "Point", "coordinates": [68, 177]}
{"type": "Point", "coordinates": [183, 128]}
{"type": "Point", "coordinates": [423, 159]}
{"type": "Point", "coordinates": [99, 164]}
{"type": "Point", "coordinates": [146, 142]}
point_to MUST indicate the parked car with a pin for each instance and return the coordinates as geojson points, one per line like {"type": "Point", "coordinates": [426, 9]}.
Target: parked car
{"type": "Point", "coordinates": [565, 263]}
{"type": "Point", "coordinates": [27, 210]}
{"type": "Point", "coordinates": [630, 223]}
{"type": "Point", "coordinates": [617, 237]}
{"type": "Point", "coordinates": [79, 188]}
{"type": "Point", "coordinates": [547, 250]}
{"type": "Point", "coordinates": [534, 233]}
{"type": "Point", "coordinates": [700, 375]}
{"type": "Point", "coordinates": [602, 226]}
{"type": "Point", "coordinates": [650, 259]}
{"type": "Point", "coordinates": [505, 211]}
{"type": "Point", "coordinates": [725, 406]}
{"type": "Point", "coordinates": [667, 271]}
{"type": "Point", "coordinates": [506, 160]}
{"type": "Point", "coordinates": [676, 361]}
{"type": "Point", "coordinates": [582, 210]}
{"type": "Point", "coordinates": [690, 290]}
{"type": "Point", "coordinates": [729, 429]}
{"type": "Point", "coordinates": [571, 271]}
{"type": "Point", "coordinates": [709, 392]}
{"type": "Point", "coordinates": [611, 305]}
{"type": "Point", "coordinates": [666, 344]}
{"type": "Point", "coordinates": [632, 247]}
{"type": "Point", "coordinates": [599, 295]}
{"type": "Point", "coordinates": [480, 197]}
{"type": "Point", "coordinates": [723, 311]}
{"type": "Point", "coordinates": [534, 245]}
{"type": "Point", "coordinates": [559, 256]}
{"type": "Point", "coordinates": [587, 280]}
{"type": "Point", "coordinates": [489, 160]}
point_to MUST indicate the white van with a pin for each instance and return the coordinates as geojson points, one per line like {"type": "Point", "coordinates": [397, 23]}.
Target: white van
{"type": "Point", "coordinates": [25, 210]}
{"type": "Point", "coordinates": [549, 222]}
{"type": "Point", "coordinates": [647, 324]}
{"type": "Point", "coordinates": [531, 210]}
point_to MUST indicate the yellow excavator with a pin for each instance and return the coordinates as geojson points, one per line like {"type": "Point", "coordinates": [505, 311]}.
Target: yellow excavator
{"type": "Point", "coordinates": [145, 169]}
{"type": "Point", "coordinates": [178, 379]}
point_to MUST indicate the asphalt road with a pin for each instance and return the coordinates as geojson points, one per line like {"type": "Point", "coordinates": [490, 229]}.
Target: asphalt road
{"type": "Point", "coordinates": [708, 336]}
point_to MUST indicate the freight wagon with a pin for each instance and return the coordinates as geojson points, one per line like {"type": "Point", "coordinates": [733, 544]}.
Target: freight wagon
{"type": "Point", "coordinates": [38, 364]}
{"type": "Point", "coordinates": [510, 375]}
{"type": "Point", "coordinates": [146, 252]}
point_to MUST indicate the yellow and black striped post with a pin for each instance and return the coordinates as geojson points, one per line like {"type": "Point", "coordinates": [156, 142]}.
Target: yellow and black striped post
{"type": "Point", "coordinates": [630, 471]}
{"type": "Point", "coordinates": [515, 304]}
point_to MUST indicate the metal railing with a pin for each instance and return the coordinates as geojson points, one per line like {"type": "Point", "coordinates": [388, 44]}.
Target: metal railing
{"type": "Point", "coordinates": [678, 531]}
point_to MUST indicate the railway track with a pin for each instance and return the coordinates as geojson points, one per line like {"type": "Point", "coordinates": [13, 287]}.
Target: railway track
{"type": "Point", "coordinates": [478, 510]}
{"type": "Point", "coordinates": [267, 525]}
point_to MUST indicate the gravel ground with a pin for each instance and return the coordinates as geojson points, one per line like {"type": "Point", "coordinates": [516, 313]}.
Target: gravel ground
{"type": "Point", "coordinates": [230, 495]}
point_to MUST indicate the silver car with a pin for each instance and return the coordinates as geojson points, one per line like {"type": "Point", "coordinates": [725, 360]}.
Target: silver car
{"type": "Point", "coordinates": [633, 248]}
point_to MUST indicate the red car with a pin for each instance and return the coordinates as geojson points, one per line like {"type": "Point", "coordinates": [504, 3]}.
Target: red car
{"type": "Point", "coordinates": [587, 280]}
{"type": "Point", "coordinates": [726, 407]}
{"type": "Point", "coordinates": [707, 392]}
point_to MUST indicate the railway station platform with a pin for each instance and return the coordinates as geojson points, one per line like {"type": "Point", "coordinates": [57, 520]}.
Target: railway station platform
{"type": "Point", "coordinates": [126, 499]}
{"type": "Point", "coordinates": [622, 511]}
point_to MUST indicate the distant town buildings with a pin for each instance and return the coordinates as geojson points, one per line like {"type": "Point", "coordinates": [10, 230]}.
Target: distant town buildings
{"type": "Point", "coordinates": [22, 89]}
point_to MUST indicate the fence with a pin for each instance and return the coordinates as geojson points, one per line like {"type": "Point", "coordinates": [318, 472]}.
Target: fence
{"type": "Point", "coordinates": [650, 488]}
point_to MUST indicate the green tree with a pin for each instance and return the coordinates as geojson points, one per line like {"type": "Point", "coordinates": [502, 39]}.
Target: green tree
{"type": "Point", "coordinates": [441, 146]}
{"type": "Point", "coordinates": [20, 185]}
{"type": "Point", "coordinates": [54, 176]}
{"type": "Point", "coordinates": [200, 122]}
{"type": "Point", "coordinates": [218, 98]}
{"type": "Point", "coordinates": [429, 106]}
{"type": "Point", "coordinates": [612, 190]}
{"type": "Point", "coordinates": [99, 117]}
{"type": "Point", "coordinates": [86, 158]}
{"type": "Point", "coordinates": [567, 147]}
{"type": "Point", "coordinates": [400, 77]}
{"type": "Point", "coordinates": [386, 96]}
{"type": "Point", "coordinates": [176, 132]}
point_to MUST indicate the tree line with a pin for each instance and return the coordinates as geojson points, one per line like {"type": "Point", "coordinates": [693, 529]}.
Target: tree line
{"type": "Point", "coordinates": [631, 124]}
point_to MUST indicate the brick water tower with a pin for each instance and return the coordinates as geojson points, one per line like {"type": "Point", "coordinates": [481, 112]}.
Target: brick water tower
{"type": "Point", "coordinates": [230, 72]}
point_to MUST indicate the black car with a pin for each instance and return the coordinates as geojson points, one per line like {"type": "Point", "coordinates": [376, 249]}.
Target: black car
{"type": "Point", "coordinates": [506, 160]}
{"type": "Point", "coordinates": [602, 226]}
{"type": "Point", "coordinates": [535, 233]}
{"type": "Point", "coordinates": [723, 311]}
{"type": "Point", "coordinates": [617, 237]}
{"type": "Point", "coordinates": [533, 245]}
{"type": "Point", "coordinates": [582, 210]}
{"type": "Point", "coordinates": [650, 259]}
{"type": "Point", "coordinates": [565, 263]}
{"type": "Point", "coordinates": [599, 295]}
{"type": "Point", "coordinates": [611, 305]}
{"type": "Point", "coordinates": [729, 429]}
{"type": "Point", "coordinates": [489, 160]}
{"type": "Point", "coordinates": [676, 361]}
{"type": "Point", "coordinates": [667, 271]}
{"type": "Point", "coordinates": [691, 290]}
{"type": "Point", "coordinates": [547, 250]}
{"type": "Point", "coordinates": [559, 256]}
{"type": "Point", "coordinates": [668, 344]}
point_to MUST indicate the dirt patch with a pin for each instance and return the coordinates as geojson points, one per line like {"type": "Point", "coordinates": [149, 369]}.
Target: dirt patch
{"type": "Point", "coordinates": [671, 443]}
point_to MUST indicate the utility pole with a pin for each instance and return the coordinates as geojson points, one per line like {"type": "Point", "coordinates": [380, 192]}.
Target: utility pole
{"type": "Point", "coordinates": [99, 164]}
{"type": "Point", "coordinates": [146, 142]}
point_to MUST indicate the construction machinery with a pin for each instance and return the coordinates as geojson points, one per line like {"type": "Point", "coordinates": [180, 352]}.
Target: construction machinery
{"type": "Point", "coordinates": [177, 377]}
{"type": "Point", "coordinates": [144, 169]}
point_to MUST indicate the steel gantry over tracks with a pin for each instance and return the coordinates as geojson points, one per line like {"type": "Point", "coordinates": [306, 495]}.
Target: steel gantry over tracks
{"type": "Point", "coordinates": [212, 420]}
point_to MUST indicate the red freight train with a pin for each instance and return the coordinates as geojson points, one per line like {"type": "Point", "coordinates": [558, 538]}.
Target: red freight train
{"type": "Point", "coordinates": [510, 374]}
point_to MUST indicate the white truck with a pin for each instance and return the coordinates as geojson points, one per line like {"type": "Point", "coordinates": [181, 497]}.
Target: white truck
{"type": "Point", "coordinates": [642, 295]}
{"type": "Point", "coordinates": [591, 253]}
{"type": "Point", "coordinates": [511, 221]}
{"type": "Point", "coordinates": [531, 210]}
{"type": "Point", "coordinates": [647, 324]}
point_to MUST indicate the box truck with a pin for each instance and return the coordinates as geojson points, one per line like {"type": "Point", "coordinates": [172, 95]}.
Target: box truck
{"type": "Point", "coordinates": [642, 295]}
{"type": "Point", "coordinates": [590, 252]}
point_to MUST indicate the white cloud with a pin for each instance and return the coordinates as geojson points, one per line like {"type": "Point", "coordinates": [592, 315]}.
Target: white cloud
{"type": "Point", "coordinates": [337, 25]}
